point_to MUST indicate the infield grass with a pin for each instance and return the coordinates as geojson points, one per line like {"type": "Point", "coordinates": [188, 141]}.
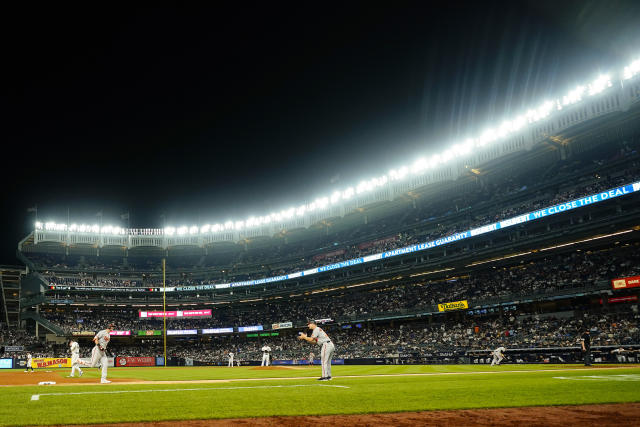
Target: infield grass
{"type": "Point", "coordinates": [446, 387]}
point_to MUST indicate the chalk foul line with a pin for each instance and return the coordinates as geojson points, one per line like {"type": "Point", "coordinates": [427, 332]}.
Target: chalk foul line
{"type": "Point", "coordinates": [37, 396]}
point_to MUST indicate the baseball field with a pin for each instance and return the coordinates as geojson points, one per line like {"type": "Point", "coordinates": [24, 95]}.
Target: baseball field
{"type": "Point", "coordinates": [392, 395]}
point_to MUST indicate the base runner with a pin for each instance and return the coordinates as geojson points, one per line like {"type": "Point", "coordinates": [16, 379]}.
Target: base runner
{"type": "Point", "coordinates": [498, 355]}
{"type": "Point", "coordinates": [75, 358]}
{"type": "Point", "coordinates": [320, 337]}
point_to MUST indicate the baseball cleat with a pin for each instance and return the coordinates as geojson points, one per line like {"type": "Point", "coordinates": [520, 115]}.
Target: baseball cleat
{"type": "Point", "coordinates": [321, 379]}
{"type": "Point", "coordinates": [105, 381]}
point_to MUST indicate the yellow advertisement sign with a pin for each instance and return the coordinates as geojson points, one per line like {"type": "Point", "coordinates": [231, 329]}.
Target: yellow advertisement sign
{"type": "Point", "coordinates": [51, 362]}
{"type": "Point", "coordinates": [455, 305]}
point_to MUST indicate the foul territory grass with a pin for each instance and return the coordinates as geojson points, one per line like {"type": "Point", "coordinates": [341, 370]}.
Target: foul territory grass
{"type": "Point", "coordinates": [467, 387]}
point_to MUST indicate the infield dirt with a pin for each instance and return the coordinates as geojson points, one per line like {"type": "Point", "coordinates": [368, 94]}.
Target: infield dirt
{"type": "Point", "coordinates": [9, 378]}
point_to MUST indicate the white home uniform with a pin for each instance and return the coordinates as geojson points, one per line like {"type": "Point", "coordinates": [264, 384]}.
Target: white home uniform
{"type": "Point", "coordinates": [265, 355]}
{"type": "Point", "coordinates": [99, 353]}
{"type": "Point", "coordinates": [29, 363]}
{"type": "Point", "coordinates": [311, 356]}
{"type": "Point", "coordinates": [326, 352]}
{"type": "Point", "coordinates": [230, 365]}
{"type": "Point", "coordinates": [75, 358]}
{"type": "Point", "coordinates": [498, 355]}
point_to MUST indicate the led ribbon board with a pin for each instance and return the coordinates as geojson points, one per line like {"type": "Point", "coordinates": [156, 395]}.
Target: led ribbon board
{"type": "Point", "coordinates": [217, 331]}
{"type": "Point", "coordinates": [179, 313]}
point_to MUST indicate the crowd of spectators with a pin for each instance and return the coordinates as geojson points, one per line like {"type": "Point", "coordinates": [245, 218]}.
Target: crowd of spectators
{"type": "Point", "coordinates": [514, 331]}
{"type": "Point", "coordinates": [543, 276]}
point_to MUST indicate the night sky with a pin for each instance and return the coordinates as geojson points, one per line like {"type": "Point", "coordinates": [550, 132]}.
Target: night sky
{"type": "Point", "coordinates": [213, 114]}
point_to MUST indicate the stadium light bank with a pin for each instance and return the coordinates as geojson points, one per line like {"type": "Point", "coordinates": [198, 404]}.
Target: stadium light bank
{"type": "Point", "coordinates": [422, 165]}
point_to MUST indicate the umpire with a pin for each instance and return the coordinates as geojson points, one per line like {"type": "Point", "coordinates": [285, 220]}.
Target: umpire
{"type": "Point", "coordinates": [586, 347]}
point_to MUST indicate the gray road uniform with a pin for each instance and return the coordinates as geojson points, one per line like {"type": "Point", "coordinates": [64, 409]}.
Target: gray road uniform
{"type": "Point", "coordinates": [99, 352]}
{"type": "Point", "coordinates": [326, 350]}
{"type": "Point", "coordinates": [498, 355]}
{"type": "Point", "coordinates": [75, 359]}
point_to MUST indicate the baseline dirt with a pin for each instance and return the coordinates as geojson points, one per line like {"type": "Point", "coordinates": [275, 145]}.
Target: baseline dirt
{"type": "Point", "coordinates": [554, 416]}
{"type": "Point", "coordinates": [13, 378]}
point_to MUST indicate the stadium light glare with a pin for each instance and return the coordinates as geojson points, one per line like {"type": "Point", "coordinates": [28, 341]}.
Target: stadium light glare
{"type": "Point", "coordinates": [348, 193]}
{"type": "Point", "coordinates": [169, 231]}
{"type": "Point", "coordinates": [491, 135]}
{"type": "Point", "coordinates": [335, 197]}
{"type": "Point", "coordinates": [600, 84]}
{"type": "Point", "coordinates": [448, 155]}
{"type": "Point", "coordinates": [193, 229]}
{"type": "Point", "coordinates": [181, 231]}
{"type": "Point", "coordinates": [323, 202]}
{"type": "Point", "coordinates": [631, 70]}
{"type": "Point", "coordinates": [419, 166]}
{"type": "Point", "coordinates": [574, 96]}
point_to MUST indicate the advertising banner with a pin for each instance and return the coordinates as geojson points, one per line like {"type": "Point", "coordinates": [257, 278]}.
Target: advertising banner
{"type": "Point", "coordinates": [217, 331]}
{"type": "Point", "coordinates": [626, 282]}
{"type": "Point", "coordinates": [83, 333]}
{"type": "Point", "coordinates": [135, 361]}
{"type": "Point", "coordinates": [283, 325]}
{"type": "Point", "coordinates": [250, 328]}
{"type": "Point", "coordinates": [6, 363]}
{"type": "Point", "coordinates": [455, 305]}
{"type": "Point", "coordinates": [51, 362]}
{"type": "Point", "coordinates": [147, 333]}
{"type": "Point", "coordinates": [13, 348]}
{"type": "Point", "coordinates": [182, 332]}
{"type": "Point", "coordinates": [120, 333]}
{"type": "Point", "coordinates": [87, 360]}
{"type": "Point", "coordinates": [179, 313]}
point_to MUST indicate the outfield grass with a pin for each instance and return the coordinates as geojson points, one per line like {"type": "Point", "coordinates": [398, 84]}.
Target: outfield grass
{"type": "Point", "coordinates": [246, 397]}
